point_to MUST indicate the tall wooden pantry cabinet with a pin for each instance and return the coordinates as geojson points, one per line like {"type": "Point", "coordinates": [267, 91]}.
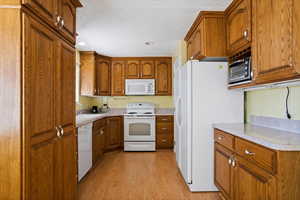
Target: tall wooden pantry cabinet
{"type": "Point", "coordinates": [37, 100]}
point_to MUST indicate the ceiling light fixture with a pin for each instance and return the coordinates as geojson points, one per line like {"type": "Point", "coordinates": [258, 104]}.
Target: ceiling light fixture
{"type": "Point", "coordinates": [149, 43]}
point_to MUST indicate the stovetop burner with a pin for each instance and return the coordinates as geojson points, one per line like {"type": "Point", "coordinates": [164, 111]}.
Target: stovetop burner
{"type": "Point", "coordinates": [132, 113]}
{"type": "Point", "coordinates": [148, 113]}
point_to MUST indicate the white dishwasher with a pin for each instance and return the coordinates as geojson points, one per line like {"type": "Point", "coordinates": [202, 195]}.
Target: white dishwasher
{"type": "Point", "coordinates": [84, 149]}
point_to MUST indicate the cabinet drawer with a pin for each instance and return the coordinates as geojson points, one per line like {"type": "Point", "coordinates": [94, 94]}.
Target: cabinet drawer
{"type": "Point", "coordinates": [168, 118]}
{"type": "Point", "coordinates": [261, 156]}
{"type": "Point", "coordinates": [99, 124]}
{"type": "Point", "coordinates": [224, 139]}
{"type": "Point", "coordinates": [164, 128]}
{"type": "Point", "coordinates": [164, 141]}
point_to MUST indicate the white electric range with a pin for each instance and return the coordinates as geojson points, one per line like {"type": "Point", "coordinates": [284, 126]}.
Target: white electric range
{"type": "Point", "coordinates": [139, 127]}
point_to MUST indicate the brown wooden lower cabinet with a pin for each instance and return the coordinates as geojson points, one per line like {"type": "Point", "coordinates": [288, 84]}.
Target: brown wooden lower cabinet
{"type": "Point", "coordinates": [164, 132]}
{"type": "Point", "coordinates": [107, 136]}
{"type": "Point", "coordinates": [99, 132]}
{"type": "Point", "coordinates": [253, 172]}
{"type": "Point", "coordinates": [114, 133]}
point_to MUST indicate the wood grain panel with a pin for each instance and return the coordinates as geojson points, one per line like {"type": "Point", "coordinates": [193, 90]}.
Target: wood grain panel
{"type": "Point", "coordinates": [132, 69]}
{"type": "Point", "coordinates": [43, 169]}
{"type": "Point", "coordinates": [87, 73]}
{"type": "Point", "coordinates": [10, 2]}
{"type": "Point", "coordinates": [66, 80]}
{"type": "Point", "coordinates": [238, 22]}
{"type": "Point", "coordinates": [147, 69]}
{"type": "Point", "coordinates": [47, 9]}
{"type": "Point", "coordinates": [68, 165]}
{"type": "Point", "coordinates": [68, 14]}
{"type": "Point", "coordinates": [252, 182]}
{"type": "Point", "coordinates": [263, 157]}
{"type": "Point", "coordinates": [223, 170]}
{"type": "Point", "coordinates": [163, 75]}
{"type": "Point", "coordinates": [10, 103]}
{"type": "Point", "coordinates": [103, 77]}
{"type": "Point", "coordinates": [224, 139]}
{"type": "Point", "coordinates": [272, 52]}
{"type": "Point", "coordinates": [117, 78]}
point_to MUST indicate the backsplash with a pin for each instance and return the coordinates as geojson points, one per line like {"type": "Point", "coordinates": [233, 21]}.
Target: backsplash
{"type": "Point", "coordinates": [271, 103]}
{"type": "Point", "coordinates": [277, 123]}
{"type": "Point", "coordinates": [84, 103]}
{"type": "Point", "coordinates": [121, 102]}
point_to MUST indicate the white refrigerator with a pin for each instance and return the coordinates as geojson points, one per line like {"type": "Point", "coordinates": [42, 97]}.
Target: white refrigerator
{"type": "Point", "coordinates": [202, 98]}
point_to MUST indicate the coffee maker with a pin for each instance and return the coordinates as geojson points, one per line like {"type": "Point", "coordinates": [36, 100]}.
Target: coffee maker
{"type": "Point", "coordinates": [95, 109]}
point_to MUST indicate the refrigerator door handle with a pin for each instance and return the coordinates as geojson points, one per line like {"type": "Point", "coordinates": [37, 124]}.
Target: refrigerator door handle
{"type": "Point", "coordinates": [178, 111]}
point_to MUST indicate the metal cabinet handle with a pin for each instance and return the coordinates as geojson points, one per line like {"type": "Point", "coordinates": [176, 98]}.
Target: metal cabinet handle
{"type": "Point", "coordinates": [230, 161]}
{"type": "Point", "coordinates": [233, 163]}
{"type": "Point", "coordinates": [58, 133]}
{"type": "Point", "coordinates": [164, 140]}
{"type": "Point", "coordinates": [61, 130]}
{"type": "Point", "coordinates": [246, 34]}
{"type": "Point", "coordinates": [58, 19]}
{"type": "Point", "coordinates": [62, 23]}
{"type": "Point", "coordinates": [164, 129]}
{"type": "Point", "coordinates": [101, 132]}
{"type": "Point", "coordinates": [220, 138]}
{"type": "Point", "coordinates": [247, 152]}
{"type": "Point", "coordinates": [164, 119]}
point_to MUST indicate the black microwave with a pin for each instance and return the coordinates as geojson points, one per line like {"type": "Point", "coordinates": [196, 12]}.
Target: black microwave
{"type": "Point", "coordinates": [240, 71]}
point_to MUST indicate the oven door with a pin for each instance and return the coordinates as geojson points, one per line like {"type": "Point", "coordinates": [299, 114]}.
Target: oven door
{"type": "Point", "coordinates": [139, 128]}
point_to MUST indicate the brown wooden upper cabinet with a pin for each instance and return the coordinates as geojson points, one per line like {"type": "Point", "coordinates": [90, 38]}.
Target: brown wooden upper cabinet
{"type": "Point", "coordinates": [60, 14]}
{"type": "Point", "coordinates": [132, 69]}
{"type": "Point", "coordinates": [140, 69]}
{"type": "Point", "coordinates": [147, 69]}
{"type": "Point", "coordinates": [206, 38]}
{"type": "Point", "coordinates": [67, 11]}
{"type": "Point", "coordinates": [276, 33]}
{"type": "Point", "coordinates": [238, 26]}
{"type": "Point", "coordinates": [103, 75]}
{"type": "Point", "coordinates": [94, 74]}
{"type": "Point", "coordinates": [118, 78]}
{"type": "Point", "coordinates": [163, 76]}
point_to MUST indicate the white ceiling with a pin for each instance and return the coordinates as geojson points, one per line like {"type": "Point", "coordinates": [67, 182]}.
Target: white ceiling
{"type": "Point", "coordinates": [120, 28]}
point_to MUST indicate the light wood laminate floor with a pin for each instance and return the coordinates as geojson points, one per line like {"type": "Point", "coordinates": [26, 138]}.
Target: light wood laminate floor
{"type": "Point", "coordinates": [138, 176]}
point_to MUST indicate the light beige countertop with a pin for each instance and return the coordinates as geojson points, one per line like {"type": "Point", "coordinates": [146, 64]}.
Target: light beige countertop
{"type": "Point", "coordinates": [83, 119]}
{"type": "Point", "coordinates": [269, 137]}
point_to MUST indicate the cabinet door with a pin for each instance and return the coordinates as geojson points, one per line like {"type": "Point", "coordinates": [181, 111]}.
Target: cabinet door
{"type": "Point", "coordinates": [147, 69]}
{"type": "Point", "coordinates": [48, 9]}
{"type": "Point", "coordinates": [103, 77]}
{"type": "Point", "coordinates": [133, 69]}
{"type": "Point", "coordinates": [272, 52]}
{"type": "Point", "coordinates": [189, 50]}
{"type": "Point", "coordinates": [113, 139]}
{"type": "Point", "coordinates": [65, 92]}
{"type": "Point", "coordinates": [197, 48]}
{"type": "Point", "coordinates": [251, 182]}
{"type": "Point", "coordinates": [39, 110]}
{"type": "Point", "coordinates": [117, 78]}
{"type": "Point", "coordinates": [223, 171]}
{"type": "Point", "coordinates": [88, 74]}
{"type": "Point", "coordinates": [68, 165]}
{"type": "Point", "coordinates": [68, 14]}
{"type": "Point", "coordinates": [239, 26]}
{"type": "Point", "coordinates": [163, 74]}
